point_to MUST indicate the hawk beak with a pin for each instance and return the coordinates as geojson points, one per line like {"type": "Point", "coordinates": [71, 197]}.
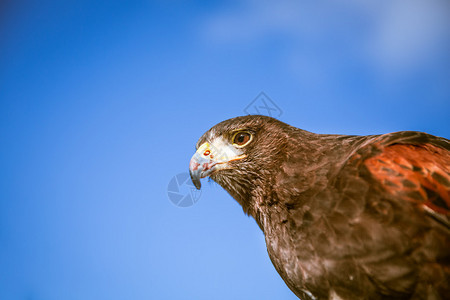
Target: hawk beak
{"type": "Point", "coordinates": [201, 164]}
{"type": "Point", "coordinates": [206, 160]}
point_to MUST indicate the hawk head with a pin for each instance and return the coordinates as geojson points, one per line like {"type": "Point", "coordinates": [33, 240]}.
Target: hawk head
{"type": "Point", "coordinates": [241, 155]}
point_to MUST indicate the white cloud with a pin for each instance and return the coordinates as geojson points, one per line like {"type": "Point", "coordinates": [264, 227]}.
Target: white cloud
{"type": "Point", "coordinates": [408, 33]}
{"type": "Point", "coordinates": [395, 36]}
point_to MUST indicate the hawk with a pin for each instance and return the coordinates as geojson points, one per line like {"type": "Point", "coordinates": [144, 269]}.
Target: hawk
{"type": "Point", "coordinates": [344, 216]}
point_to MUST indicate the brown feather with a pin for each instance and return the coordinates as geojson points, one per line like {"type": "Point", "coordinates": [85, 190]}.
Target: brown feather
{"type": "Point", "coordinates": [359, 217]}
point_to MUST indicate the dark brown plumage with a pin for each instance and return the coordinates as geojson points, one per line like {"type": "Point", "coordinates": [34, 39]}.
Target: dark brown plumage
{"type": "Point", "coordinates": [344, 217]}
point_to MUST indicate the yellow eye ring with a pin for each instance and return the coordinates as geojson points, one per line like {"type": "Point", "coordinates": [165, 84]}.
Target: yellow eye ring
{"type": "Point", "coordinates": [242, 138]}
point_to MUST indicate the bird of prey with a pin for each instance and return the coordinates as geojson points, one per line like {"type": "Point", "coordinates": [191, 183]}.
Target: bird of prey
{"type": "Point", "coordinates": [344, 217]}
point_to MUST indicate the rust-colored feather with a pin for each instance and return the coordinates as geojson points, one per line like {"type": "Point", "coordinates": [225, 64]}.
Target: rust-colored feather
{"type": "Point", "coordinates": [418, 173]}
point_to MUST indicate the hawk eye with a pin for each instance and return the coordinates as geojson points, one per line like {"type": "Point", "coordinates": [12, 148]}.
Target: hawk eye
{"type": "Point", "coordinates": [242, 138]}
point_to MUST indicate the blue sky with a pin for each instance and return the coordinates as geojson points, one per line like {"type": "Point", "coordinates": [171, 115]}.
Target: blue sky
{"type": "Point", "coordinates": [102, 102]}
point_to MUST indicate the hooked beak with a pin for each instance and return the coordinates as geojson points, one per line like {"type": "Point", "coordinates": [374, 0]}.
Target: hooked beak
{"type": "Point", "coordinates": [206, 161]}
